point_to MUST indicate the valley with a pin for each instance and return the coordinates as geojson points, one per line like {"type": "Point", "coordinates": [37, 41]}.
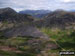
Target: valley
{"type": "Point", "coordinates": [24, 34]}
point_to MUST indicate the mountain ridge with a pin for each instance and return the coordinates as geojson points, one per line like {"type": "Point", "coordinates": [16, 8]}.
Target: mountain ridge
{"type": "Point", "coordinates": [60, 19]}
{"type": "Point", "coordinates": [10, 15]}
{"type": "Point", "coordinates": [36, 13]}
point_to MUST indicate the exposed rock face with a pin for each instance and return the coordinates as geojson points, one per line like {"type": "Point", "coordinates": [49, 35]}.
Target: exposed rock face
{"type": "Point", "coordinates": [8, 14]}
{"type": "Point", "coordinates": [25, 31]}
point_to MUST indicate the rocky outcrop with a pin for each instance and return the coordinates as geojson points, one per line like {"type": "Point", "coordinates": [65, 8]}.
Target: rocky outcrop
{"type": "Point", "coordinates": [25, 30]}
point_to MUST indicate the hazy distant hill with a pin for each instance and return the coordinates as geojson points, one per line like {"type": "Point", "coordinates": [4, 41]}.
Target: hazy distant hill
{"type": "Point", "coordinates": [36, 13]}
{"type": "Point", "coordinates": [72, 10]}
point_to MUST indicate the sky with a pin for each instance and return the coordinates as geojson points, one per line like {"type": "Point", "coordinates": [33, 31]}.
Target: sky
{"type": "Point", "coordinates": [19, 5]}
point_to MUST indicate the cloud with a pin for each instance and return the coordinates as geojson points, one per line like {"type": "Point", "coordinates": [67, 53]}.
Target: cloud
{"type": "Point", "coordinates": [38, 4]}
{"type": "Point", "coordinates": [65, 1]}
{"type": "Point", "coordinates": [68, 1]}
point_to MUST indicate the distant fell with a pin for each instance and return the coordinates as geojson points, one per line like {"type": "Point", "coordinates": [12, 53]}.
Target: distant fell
{"type": "Point", "coordinates": [36, 13]}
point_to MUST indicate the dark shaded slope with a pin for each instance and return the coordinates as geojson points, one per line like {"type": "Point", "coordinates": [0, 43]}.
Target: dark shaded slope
{"type": "Point", "coordinates": [9, 15]}
{"type": "Point", "coordinates": [24, 30]}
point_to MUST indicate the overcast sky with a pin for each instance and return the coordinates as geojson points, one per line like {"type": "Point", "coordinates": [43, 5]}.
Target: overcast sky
{"type": "Point", "coordinates": [19, 5]}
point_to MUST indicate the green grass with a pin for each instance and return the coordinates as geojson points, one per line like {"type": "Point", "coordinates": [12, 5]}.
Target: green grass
{"type": "Point", "coordinates": [64, 38]}
{"type": "Point", "coordinates": [16, 42]}
{"type": "Point", "coordinates": [7, 53]}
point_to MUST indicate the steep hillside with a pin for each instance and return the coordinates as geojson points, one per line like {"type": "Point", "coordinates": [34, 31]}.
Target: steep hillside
{"type": "Point", "coordinates": [24, 30]}
{"type": "Point", "coordinates": [8, 14]}
{"type": "Point", "coordinates": [59, 19]}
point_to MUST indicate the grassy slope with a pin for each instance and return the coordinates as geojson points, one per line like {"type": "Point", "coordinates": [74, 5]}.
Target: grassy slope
{"type": "Point", "coordinates": [14, 43]}
{"type": "Point", "coordinates": [64, 38]}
